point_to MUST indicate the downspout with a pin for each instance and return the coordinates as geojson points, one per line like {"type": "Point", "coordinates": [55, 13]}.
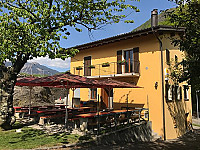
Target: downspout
{"type": "Point", "coordinates": [154, 23]}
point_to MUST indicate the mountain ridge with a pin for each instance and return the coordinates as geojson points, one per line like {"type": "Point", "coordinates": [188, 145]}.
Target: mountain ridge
{"type": "Point", "coordinates": [162, 20]}
{"type": "Point", "coordinates": [34, 68]}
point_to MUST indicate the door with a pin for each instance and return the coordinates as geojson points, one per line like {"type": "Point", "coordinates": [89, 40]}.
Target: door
{"type": "Point", "coordinates": [136, 60]}
{"type": "Point", "coordinates": [87, 63]}
{"type": "Point", "coordinates": [128, 55]}
{"type": "Point", "coordinates": [106, 99]}
{"type": "Point", "coordinates": [132, 60]}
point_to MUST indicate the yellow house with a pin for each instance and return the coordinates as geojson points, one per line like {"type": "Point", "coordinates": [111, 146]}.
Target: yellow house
{"type": "Point", "coordinates": [136, 57]}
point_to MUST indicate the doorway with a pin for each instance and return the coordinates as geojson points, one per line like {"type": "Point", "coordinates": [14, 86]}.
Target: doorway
{"type": "Point", "coordinates": [106, 98]}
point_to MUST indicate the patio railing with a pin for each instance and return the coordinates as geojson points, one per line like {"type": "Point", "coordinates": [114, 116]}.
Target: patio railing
{"type": "Point", "coordinates": [112, 69]}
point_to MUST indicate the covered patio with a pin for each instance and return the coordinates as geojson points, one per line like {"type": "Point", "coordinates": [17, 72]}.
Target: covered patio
{"type": "Point", "coordinates": [83, 117]}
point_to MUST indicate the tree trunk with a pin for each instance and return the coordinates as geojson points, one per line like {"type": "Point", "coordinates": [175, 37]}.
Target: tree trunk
{"type": "Point", "coordinates": [8, 78]}
{"type": "Point", "coordinates": [7, 83]}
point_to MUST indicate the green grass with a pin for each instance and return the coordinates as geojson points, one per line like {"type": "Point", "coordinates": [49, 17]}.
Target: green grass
{"type": "Point", "coordinates": [32, 138]}
{"type": "Point", "coordinates": [196, 125]}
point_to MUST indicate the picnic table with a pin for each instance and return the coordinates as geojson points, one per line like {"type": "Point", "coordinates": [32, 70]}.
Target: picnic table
{"type": "Point", "coordinates": [84, 119]}
{"type": "Point", "coordinates": [35, 107]}
{"type": "Point", "coordinates": [117, 116]}
{"type": "Point", "coordinates": [62, 106]}
{"type": "Point", "coordinates": [49, 114]}
{"type": "Point", "coordinates": [20, 111]}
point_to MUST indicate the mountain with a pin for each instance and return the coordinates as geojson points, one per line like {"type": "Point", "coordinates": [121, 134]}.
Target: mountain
{"type": "Point", "coordinates": [35, 68]}
{"type": "Point", "coordinates": [162, 20]}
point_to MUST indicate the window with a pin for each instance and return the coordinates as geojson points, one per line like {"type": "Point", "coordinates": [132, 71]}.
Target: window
{"type": "Point", "coordinates": [186, 96]}
{"type": "Point", "coordinates": [169, 92]}
{"type": "Point", "coordinates": [179, 93]}
{"type": "Point", "coordinates": [176, 59]}
{"type": "Point", "coordinates": [128, 56]}
{"type": "Point", "coordinates": [132, 60]}
{"type": "Point", "coordinates": [87, 63]}
{"type": "Point", "coordinates": [93, 93]}
{"type": "Point", "coordinates": [119, 58]}
{"type": "Point", "coordinates": [173, 92]}
{"type": "Point", "coordinates": [167, 56]}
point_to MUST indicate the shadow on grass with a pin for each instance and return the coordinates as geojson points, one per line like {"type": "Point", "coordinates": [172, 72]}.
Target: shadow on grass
{"type": "Point", "coordinates": [18, 125]}
{"type": "Point", "coordinates": [85, 138]}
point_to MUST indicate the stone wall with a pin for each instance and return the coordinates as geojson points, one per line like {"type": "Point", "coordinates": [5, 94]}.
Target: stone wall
{"type": "Point", "coordinates": [136, 132]}
{"type": "Point", "coordinates": [39, 95]}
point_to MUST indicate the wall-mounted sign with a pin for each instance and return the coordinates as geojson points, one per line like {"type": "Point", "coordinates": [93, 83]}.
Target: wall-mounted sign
{"type": "Point", "coordinates": [166, 74]}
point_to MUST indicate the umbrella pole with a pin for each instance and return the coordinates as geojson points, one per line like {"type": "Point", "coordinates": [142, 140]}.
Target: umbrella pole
{"type": "Point", "coordinates": [148, 106]}
{"type": "Point", "coordinates": [127, 102]}
{"type": "Point", "coordinates": [109, 89]}
{"type": "Point", "coordinates": [66, 103]}
{"type": "Point", "coordinates": [29, 110]}
{"type": "Point", "coordinates": [73, 89]}
{"type": "Point", "coordinates": [98, 115]}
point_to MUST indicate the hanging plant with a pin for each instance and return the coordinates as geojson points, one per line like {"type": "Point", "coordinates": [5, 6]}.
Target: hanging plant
{"type": "Point", "coordinates": [91, 66]}
{"type": "Point", "coordinates": [122, 62]}
{"type": "Point", "coordinates": [79, 68]}
{"type": "Point", "coordinates": [106, 64]}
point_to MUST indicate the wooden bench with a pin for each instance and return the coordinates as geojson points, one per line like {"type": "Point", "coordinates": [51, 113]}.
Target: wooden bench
{"type": "Point", "coordinates": [20, 113]}
{"type": "Point", "coordinates": [75, 122]}
{"type": "Point", "coordinates": [48, 118]}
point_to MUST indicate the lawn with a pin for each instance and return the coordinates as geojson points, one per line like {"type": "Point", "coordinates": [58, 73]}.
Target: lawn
{"type": "Point", "coordinates": [32, 138]}
{"type": "Point", "coordinates": [196, 125]}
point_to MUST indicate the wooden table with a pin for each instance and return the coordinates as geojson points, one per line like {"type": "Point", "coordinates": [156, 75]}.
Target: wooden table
{"type": "Point", "coordinates": [20, 111]}
{"type": "Point", "coordinates": [85, 109]}
{"type": "Point", "coordinates": [60, 106]}
{"type": "Point", "coordinates": [17, 108]}
{"type": "Point", "coordinates": [49, 113]}
{"type": "Point", "coordinates": [49, 106]}
{"type": "Point", "coordinates": [50, 110]}
{"type": "Point", "coordinates": [35, 107]}
{"type": "Point", "coordinates": [43, 108]}
{"type": "Point", "coordinates": [83, 118]}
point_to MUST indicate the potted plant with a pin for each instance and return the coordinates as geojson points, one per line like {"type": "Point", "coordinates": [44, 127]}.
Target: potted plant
{"type": "Point", "coordinates": [91, 66]}
{"type": "Point", "coordinates": [79, 68]}
{"type": "Point", "coordinates": [122, 62]}
{"type": "Point", "coordinates": [106, 64]}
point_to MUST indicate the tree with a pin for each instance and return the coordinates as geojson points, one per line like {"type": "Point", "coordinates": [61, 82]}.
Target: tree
{"type": "Point", "coordinates": [33, 28]}
{"type": "Point", "coordinates": [187, 15]}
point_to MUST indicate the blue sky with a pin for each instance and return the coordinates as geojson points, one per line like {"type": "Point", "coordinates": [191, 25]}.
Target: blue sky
{"type": "Point", "coordinates": [77, 38]}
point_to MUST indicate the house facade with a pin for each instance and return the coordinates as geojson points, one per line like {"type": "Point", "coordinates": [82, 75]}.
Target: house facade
{"type": "Point", "coordinates": [136, 58]}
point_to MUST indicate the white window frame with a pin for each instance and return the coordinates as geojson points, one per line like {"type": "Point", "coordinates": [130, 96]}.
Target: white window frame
{"type": "Point", "coordinates": [170, 93]}
{"type": "Point", "coordinates": [90, 95]}
{"type": "Point", "coordinates": [179, 93]}
{"type": "Point", "coordinates": [186, 91]}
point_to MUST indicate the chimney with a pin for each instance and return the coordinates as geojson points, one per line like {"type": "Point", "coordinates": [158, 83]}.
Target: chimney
{"type": "Point", "coordinates": [154, 18]}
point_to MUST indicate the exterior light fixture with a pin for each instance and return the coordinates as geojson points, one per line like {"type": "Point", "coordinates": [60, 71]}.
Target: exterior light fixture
{"type": "Point", "coordinates": [156, 85]}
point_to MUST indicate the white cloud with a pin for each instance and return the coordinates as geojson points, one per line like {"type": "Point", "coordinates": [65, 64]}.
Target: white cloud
{"type": "Point", "coordinates": [58, 63]}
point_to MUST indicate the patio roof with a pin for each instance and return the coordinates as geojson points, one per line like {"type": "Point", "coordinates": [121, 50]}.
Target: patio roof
{"type": "Point", "coordinates": [71, 81]}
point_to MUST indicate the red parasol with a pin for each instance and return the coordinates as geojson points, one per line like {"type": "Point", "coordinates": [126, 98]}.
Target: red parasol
{"type": "Point", "coordinates": [72, 81]}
